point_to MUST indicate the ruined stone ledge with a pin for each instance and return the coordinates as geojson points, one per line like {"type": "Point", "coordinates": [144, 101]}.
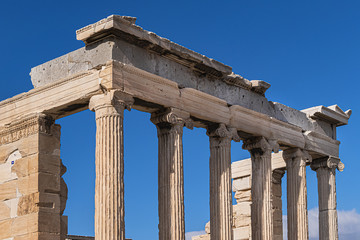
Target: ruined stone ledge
{"type": "Point", "coordinates": [123, 28]}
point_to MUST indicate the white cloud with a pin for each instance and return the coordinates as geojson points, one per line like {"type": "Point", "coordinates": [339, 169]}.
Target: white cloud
{"type": "Point", "coordinates": [313, 215]}
{"type": "Point", "coordinates": [349, 224]}
{"type": "Point", "coordinates": [189, 235]}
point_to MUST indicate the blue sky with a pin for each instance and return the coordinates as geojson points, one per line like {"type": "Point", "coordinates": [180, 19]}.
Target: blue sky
{"type": "Point", "coordinates": [308, 51]}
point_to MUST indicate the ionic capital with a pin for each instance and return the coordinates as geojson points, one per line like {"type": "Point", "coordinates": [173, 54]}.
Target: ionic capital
{"type": "Point", "coordinates": [293, 153]}
{"type": "Point", "coordinates": [171, 119]}
{"type": "Point", "coordinates": [261, 145]}
{"type": "Point", "coordinates": [114, 99]}
{"type": "Point", "coordinates": [330, 162]}
{"type": "Point", "coordinates": [221, 131]}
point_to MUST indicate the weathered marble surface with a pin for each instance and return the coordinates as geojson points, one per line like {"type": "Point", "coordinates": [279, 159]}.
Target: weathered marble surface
{"type": "Point", "coordinates": [109, 161]}
{"type": "Point", "coordinates": [170, 125]}
{"type": "Point", "coordinates": [118, 38]}
{"type": "Point", "coordinates": [30, 180]}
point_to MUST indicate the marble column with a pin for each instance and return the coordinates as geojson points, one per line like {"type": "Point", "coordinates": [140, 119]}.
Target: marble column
{"type": "Point", "coordinates": [221, 214]}
{"type": "Point", "coordinates": [261, 209]}
{"type": "Point", "coordinates": [325, 170]}
{"type": "Point", "coordinates": [277, 203]}
{"type": "Point", "coordinates": [170, 125]}
{"type": "Point", "coordinates": [109, 184]}
{"type": "Point", "coordinates": [297, 214]}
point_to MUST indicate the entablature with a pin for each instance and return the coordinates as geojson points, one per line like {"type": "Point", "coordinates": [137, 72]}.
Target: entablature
{"type": "Point", "coordinates": [168, 77]}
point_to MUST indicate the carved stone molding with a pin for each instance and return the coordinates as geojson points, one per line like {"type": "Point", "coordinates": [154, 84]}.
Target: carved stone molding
{"type": "Point", "coordinates": [293, 153]}
{"type": "Point", "coordinates": [261, 145]}
{"type": "Point", "coordinates": [171, 119]}
{"type": "Point", "coordinates": [25, 127]}
{"type": "Point", "coordinates": [330, 162]}
{"type": "Point", "coordinates": [110, 103]}
{"type": "Point", "coordinates": [221, 131]}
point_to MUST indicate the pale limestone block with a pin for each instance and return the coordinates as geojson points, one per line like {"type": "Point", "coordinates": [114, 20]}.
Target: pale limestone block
{"type": "Point", "coordinates": [39, 236]}
{"type": "Point", "coordinates": [6, 173]}
{"type": "Point", "coordinates": [24, 224]}
{"type": "Point", "coordinates": [13, 204]}
{"type": "Point", "coordinates": [241, 184]}
{"type": "Point", "coordinates": [5, 151]}
{"type": "Point", "coordinates": [39, 182]}
{"type": "Point", "coordinates": [243, 208]}
{"type": "Point", "coordinates": [8, 190]}
{"type": "Point", "coordinates": [242, 233]}
{"type": "Point", "coordinates": [36, 202]}
{"type": "Point", "coordinates": [5, 211]}
{"type": "Point", "coordinates": [5, 228]}
{"type": "Point", "coordinates": [37, 163]}
{"type": "Point", "coordinates": [242, 168]}
{"type": "Point", "coordinates": [201, 237]}
{"type": "Point", "coordinates": [241, 221]}
{"type": "Point", "coordinates": [242, 196]}
{"type": "Point", "coordinates": [27, 146]}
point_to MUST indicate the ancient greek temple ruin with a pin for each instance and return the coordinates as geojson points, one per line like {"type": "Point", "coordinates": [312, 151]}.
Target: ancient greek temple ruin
{"type": "Point", "coordinates": [123, 66]}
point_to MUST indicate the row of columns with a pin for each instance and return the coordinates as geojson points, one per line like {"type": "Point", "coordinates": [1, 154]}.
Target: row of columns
{"type": "Point", "coordinates": [109, 190]}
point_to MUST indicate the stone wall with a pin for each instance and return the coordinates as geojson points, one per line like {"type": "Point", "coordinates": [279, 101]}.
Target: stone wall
{"type": "Point", "coordinates": [32, 192]}
{"type": "Point", "coordinates": [241, 211]}
{"type": "Point", "coordinates": [241, 186]}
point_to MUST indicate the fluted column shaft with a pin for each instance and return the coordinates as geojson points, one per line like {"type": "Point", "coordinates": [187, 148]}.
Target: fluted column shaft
{"type": "Point", "coordinates": [277, 203]}
{"type": "Point", "coordinates": [220, 182]}
{"type": "Point", "coordinates": [171, 177]}
{"type": "Point", "coordinates": [261, 208]}
{"type": "Point", "coordinates": [109, 161]}
{"type": "Point", "coordinates": [328, 221]}
{"type": "Point", "coordinates": [297, 193]}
